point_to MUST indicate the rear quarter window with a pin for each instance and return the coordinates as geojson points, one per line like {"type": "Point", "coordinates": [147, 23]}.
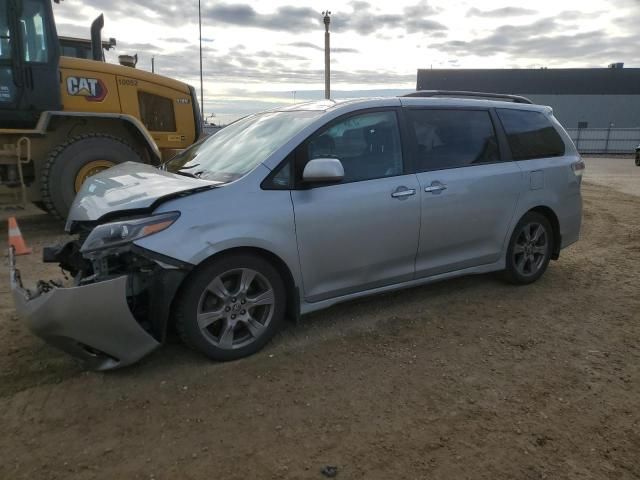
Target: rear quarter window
{"type": "Point", "coordinates": [530, 134]}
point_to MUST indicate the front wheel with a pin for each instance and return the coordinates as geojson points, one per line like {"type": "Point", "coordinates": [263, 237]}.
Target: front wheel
{"type": "Point", "coordinates": [231, 307]}
{"type": "Point", "coordinates": [529, 249]}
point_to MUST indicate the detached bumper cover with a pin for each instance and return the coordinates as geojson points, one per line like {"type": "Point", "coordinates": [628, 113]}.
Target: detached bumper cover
{"type": "Point", "coordinates": [92, 322]}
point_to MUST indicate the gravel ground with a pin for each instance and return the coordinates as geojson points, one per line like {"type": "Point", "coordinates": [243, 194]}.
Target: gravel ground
{"type": "Point", "coordinates": [469, 378]}
{"type": "Point", "coordinates": [619, 173]}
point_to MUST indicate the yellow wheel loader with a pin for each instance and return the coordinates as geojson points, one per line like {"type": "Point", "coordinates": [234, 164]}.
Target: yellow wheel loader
{"type": "Point", "coordinates": [64, 119]}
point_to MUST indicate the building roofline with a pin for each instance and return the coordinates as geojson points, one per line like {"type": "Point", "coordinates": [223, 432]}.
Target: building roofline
{"type": "Point", "coordinates": [541, 81]}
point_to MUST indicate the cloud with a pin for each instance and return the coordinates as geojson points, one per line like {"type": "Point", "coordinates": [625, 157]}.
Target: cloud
{"type": "Point", "coordinates": [258, 67]}
{"type": "Point", "coordinates": [72, 30]}
{"type": "Point", "coordinates": [573, 15]}
{"type": "Point", "coordinates": [501, 12]}
{"type": "Point", "coordinates": [305, 45]}
{"type": "Point", "coordinates": [176, 40]}
{"type": "Point", "coordinates": [139, 47]}
{"type": "Point", "coordinates": [365, 20]}
{"type": "Point", "coordinates": [321, 49]}
{"type": "Point", "coordinates": [362, 17]}
{"type": "Point", "coordinates": [281, 55]}
{"type": "Point", "coordinates": [148, 10]}
{"type": "Point", "coordinates": [546, 42]}
{"type": "Point", "coordinates": [73, 14]}
{"type": "Point", "coordinates": [288, 18]}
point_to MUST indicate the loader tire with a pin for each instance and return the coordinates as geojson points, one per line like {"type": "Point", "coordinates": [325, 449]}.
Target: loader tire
{"type": "Point", "coordinates": [70, 163]}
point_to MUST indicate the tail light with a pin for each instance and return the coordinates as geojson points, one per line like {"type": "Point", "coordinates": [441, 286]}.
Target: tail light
{"type": "Point", "coordinates": [578, 167]}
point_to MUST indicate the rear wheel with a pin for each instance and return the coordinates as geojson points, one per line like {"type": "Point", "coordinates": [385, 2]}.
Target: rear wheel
{"type": "Point", "coordinates": [231, 307]}
{"type": "Point", "coordinates": [529, 249]}
{"type": "Point", "coordinates": [638, 159]}
{"type": "Point", "coordinates": [71, 163]}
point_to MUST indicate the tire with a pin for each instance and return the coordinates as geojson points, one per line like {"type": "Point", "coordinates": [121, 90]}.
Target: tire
{"type": "Point", "coordinates": [68, 160]}
{"type": "Point", "coordinates": [214, 313]}
{"type": "Point", "coordinates": [637, 160]}
{"type": "Point", "coordinates": [529, 250]}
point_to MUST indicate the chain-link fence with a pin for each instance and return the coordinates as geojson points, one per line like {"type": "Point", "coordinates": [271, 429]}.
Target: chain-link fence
{"type": "Point", "coordinates": [605, 140]}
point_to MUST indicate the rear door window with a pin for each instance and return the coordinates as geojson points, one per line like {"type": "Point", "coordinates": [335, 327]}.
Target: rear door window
{"type": "Point", "coordinates": [453, 138]}
{"type": "Point", "coordinates": [530, 134]}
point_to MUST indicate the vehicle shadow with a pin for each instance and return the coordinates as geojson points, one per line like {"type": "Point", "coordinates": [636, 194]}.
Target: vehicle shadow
{"type": "Point", "coordinates": [361, 316]}
{"type": "Point", "coordinates": [366, 314]}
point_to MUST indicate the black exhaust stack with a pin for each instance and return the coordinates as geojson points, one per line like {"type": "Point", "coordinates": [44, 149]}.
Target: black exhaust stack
{"type": "Point", "coordinates": [96, 38]}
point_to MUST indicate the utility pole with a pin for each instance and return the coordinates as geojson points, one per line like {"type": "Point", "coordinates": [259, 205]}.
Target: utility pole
{"type": "Point", "coordinates": [201, 83]}
{"type": "Point", "coordinates": [327, 55]}
{"type": "Point", "coordinates": [153, 65]}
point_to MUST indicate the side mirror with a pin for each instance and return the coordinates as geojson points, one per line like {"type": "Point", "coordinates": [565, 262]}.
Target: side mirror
{"type": "Point", "coordinates": [323, 170]}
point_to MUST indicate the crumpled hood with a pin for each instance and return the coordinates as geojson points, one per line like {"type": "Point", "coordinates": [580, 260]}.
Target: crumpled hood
{"type": "Point", "coordinates": [129, 186]}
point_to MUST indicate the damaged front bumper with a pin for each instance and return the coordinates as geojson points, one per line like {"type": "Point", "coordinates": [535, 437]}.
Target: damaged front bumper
{"type": "Point", "coordinates": [94, 321]}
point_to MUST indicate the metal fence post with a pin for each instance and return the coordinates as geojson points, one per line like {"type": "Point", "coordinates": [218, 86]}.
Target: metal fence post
{"type": "Point", "coordinates": [578, 140]}
{"type": "Point", "coordinates": [606, 143]}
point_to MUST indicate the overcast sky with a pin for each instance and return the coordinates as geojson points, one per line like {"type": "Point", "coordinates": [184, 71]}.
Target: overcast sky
{"type": "Point", "coordinates": [256, 54]}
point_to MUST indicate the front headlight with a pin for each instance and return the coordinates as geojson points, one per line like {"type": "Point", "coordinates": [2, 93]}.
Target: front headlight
{"type": "Point", "coordinates": [119, 233]}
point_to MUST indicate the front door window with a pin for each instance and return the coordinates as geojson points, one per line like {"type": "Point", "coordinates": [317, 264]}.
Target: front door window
{"type": "Point", "coordinates": [368, 145]}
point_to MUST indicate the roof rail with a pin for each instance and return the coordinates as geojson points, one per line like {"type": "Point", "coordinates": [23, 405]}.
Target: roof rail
{"type": "Point", "coordinates": [462, 93]}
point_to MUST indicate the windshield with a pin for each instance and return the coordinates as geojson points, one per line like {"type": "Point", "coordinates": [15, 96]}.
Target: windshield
{"type": "Point", "coordinates": [238, 148]}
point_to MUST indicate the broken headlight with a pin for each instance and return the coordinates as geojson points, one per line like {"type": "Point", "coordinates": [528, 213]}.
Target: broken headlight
{"type": "Point", "coordinates": [115, 234]}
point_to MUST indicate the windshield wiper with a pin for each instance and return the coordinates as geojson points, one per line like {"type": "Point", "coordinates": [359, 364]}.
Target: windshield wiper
{"type": "Point", "coordinates": [187, 174]}
{"type": "Point", "coordinates": [189, 167]}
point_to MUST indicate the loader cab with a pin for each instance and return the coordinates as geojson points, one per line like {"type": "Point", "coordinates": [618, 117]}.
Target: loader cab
{"type": "Point", "coordinates": [29, 56]}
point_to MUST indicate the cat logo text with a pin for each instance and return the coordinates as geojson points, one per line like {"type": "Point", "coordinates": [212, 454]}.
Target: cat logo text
{"type": "Point", "coordinates": [93, 89]}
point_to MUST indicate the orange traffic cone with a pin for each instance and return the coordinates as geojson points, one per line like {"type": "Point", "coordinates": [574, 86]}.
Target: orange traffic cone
{"type": "Point", "coordinates": [15, 238]}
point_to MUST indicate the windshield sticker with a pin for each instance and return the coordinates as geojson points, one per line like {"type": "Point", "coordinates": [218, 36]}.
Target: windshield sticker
{"type": "Point", "coordinates": [93, 89]}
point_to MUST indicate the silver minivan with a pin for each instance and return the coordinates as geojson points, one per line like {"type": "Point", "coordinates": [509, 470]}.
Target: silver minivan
{"type": "Point", "coordinates": [295, 209]}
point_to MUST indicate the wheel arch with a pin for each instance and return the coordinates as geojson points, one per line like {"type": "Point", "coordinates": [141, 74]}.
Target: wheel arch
{"type": "Point", "coordinates": [52, 187]}
{"type": "Point", "coordinates": [108, 123]}
{"type": "Point", "coordinates": [293, 295]}
{"type": "Point", "coordinates": [551, 216]}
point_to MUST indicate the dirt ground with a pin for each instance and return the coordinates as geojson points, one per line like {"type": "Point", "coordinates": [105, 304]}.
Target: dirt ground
{"type": "Point", "coordinates": [469, 378]}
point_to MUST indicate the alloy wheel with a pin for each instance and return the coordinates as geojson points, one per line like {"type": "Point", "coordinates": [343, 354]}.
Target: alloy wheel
{"type": "Point", "coordinates": [531, 249]}
{"type": "Point", "coordinates": [236, 308]}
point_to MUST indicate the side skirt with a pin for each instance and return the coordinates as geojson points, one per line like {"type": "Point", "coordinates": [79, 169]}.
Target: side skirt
{"type": "Point", "coordinates": [308, 307]}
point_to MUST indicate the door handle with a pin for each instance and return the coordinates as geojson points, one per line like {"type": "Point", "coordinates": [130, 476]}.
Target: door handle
{"type": "Point", "coordinates": [403, 192]}
{"type": "Point", "coordinates": [435, 187]}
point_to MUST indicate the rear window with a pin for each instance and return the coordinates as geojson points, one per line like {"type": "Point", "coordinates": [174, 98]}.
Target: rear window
{"type": "Point", "coordinates": [530, 134]}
